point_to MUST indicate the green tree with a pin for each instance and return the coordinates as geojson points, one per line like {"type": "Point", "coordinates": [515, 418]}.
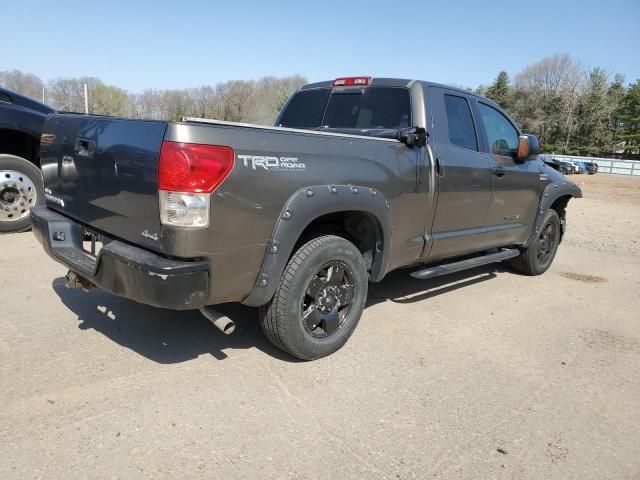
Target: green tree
{"type": "Point", "coordinates": [630, 119]}
{"type": "Point", "coordinates": [108, 100]}
{"type": "Point", "coordinates": [615, 96]}
{"type": "Point", "coordinates": [282, 98]}
{"type": "Point", "coordinates": [500, 92]}
{"type": "Point", "coordinates": [593, 113]}
{"type": "Point", "coordinates": [481, 90]}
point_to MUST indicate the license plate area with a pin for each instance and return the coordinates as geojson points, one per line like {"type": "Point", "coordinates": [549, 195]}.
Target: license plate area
{"type": "Point", "coordinates": [92, 243]}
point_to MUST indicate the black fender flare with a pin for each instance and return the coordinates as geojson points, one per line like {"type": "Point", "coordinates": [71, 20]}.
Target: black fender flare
{"type": "Point", "coordinates": [551, 193]}
{"type": "Point", "coordinates": [302, 208]}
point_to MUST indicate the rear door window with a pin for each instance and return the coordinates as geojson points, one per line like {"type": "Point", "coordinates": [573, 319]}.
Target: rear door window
{"type": "Point", "coordinates": [462, 131]}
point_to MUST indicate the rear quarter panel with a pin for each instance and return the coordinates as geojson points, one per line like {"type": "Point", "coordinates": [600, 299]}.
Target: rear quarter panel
{"type": "Point", "coordinates": [247, 205]}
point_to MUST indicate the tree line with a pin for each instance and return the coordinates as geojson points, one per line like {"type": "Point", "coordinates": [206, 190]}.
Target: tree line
{"type": "Point", "coordinates": [250, 101]}
{"type": "Point", "coordinates": [572, 109]}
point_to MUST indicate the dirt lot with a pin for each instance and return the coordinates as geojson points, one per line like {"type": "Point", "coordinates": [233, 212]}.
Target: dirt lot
{"type": "Point", "coordinates": [486, 374]}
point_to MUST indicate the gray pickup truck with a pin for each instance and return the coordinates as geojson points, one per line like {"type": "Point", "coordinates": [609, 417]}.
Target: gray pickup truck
{"type": "Point", "coordinates": [360, 176]}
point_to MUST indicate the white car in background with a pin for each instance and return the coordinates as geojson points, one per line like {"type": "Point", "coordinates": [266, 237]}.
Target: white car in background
{"type": "Point", "coordinates": [576, 168]}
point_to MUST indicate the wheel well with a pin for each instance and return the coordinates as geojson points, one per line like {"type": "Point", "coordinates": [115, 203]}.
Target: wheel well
{"type": "Point", "coordinates": [560, 206]}
{"type": "Point", "coordinates": [360, 228]}
{"type": "Point", "coordinates": [20, 144]}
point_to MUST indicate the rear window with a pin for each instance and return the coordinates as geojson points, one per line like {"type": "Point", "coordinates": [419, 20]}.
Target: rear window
{"type": "Point", "coordinates": [368, 108]}
{"type": "Point", "coordinates": [306, 108]}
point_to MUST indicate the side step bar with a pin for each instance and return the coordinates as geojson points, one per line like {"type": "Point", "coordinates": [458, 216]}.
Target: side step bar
{"type": "Point", "coordinates": [438, 270]}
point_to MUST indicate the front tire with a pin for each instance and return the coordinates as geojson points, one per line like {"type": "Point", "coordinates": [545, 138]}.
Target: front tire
{"type": "Point", "coordinates": [537, 258]}
{"type": "Point", "coordinates": [319, 300]}
{"type": "Point", "coordinates": [21, 188]}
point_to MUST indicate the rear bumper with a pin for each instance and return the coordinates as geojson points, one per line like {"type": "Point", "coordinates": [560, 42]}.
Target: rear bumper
{"type": "Point", "coordinates": [123, 269]}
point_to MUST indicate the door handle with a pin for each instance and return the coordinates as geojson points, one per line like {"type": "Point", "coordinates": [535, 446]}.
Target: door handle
{"type": "Point", "coordinates": [499, 171]}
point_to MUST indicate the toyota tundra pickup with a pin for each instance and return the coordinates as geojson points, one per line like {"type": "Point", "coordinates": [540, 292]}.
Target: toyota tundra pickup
{"type": "Point", "coordinates": [359, 176]}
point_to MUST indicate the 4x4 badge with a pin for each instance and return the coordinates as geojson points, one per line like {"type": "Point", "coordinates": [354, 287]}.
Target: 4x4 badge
{"type": "Point", "coordinates": [151, 236]}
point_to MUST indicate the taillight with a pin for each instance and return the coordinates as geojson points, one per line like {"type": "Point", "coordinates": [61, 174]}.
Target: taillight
{"type": "Point", "coordinates": [187, 175]}
{"type": "Point", "coordinates": [192, 167]}
{"type": "Point", "coordinates": [351, 82]}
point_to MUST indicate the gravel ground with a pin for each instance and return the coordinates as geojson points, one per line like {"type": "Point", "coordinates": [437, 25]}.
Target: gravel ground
{"type": "Point", "coordinates": [483, 374]}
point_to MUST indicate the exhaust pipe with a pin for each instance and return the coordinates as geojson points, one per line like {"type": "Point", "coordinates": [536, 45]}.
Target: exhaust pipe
{"type": "Point", "coordinates": [221, 321]}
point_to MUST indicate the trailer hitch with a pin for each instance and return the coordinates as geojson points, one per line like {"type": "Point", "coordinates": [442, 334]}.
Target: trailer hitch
{"type": "Point", "coordinates": [73, 280]}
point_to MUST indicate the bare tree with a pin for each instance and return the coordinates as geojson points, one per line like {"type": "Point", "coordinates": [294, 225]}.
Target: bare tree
{"type": "Point", "coordinates": [546, 97]}
{"type": "Point", "coordinates": [24, 83]}
{"type": "Point", "coordinates": [251, 101]}
{"type": "Point", "coordinates": [68, 93]}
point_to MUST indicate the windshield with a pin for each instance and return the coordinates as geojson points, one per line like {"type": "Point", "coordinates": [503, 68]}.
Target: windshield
{"type": "Point", "coordinates": [363, 109]}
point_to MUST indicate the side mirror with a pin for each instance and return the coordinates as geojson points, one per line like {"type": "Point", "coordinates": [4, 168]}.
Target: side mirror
{"type": "Point", "coordinates": [528, 147]}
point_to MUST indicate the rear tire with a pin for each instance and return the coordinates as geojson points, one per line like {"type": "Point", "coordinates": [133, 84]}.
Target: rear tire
{"type": "Point", "coordinates": [538, 257]}
{"type": "Point", "coordinates": [21, 188]}
{"type": "Point", "coordinates": [319, 300]}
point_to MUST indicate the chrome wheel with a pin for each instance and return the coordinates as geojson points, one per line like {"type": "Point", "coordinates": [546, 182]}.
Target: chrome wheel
{"type": "Point", "coordinates": [17, 195]}
{"type": "Point", "coordinates": [327, 300]}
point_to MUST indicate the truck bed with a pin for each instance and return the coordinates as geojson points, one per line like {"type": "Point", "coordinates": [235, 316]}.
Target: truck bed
{"type": "Point", "coordinates": [103, 172]}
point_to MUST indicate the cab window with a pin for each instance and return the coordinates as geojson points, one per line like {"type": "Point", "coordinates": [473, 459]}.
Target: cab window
{"type": "Point", "coordinates": [354, 108]}
{"type": "Point", "coordinates": [501, 134]}
{"type": "Point", "coordinates": [369, 108]}
{"type": "Point", "coordinates": [461, 130]}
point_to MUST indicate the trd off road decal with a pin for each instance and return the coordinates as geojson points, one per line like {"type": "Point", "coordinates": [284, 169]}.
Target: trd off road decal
{"type": "Point", "coordinates": [281, 164]}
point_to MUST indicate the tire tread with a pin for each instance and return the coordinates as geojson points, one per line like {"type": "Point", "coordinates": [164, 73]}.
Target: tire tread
{"type": "Point", "coordinates": [526, 262]}
{"type": "Point", "coordinates": [273, 315]}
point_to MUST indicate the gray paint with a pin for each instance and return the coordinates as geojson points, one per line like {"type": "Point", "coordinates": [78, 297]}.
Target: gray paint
{"type": "Point", "coordinates": [113, 185]}
{"type": "Point", "coordinates": [248, 204]}
{"type": "Point", "coordinates": [556, 188]}
{"type": "Point", "coordinates": [312, 202]}
{"type": "Point", "coordinates": [459, 211]}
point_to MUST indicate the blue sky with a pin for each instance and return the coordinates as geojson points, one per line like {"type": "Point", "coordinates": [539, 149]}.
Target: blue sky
{"type": "Point", "coordinates": [158, 44]}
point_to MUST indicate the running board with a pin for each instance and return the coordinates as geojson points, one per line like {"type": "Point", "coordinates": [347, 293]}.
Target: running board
{"type": "Point", "coordinates": [438, 270]}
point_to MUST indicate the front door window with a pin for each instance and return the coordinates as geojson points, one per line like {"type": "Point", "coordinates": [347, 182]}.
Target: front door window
{"type": "Point", "coordinates": [502, 136]}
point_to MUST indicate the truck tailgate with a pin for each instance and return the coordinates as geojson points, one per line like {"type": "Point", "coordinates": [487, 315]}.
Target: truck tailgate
{"type": "Point", "coordinates": [103, 172]}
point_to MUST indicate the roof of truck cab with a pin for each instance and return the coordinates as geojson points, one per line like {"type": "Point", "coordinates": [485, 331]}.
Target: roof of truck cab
{"type": "Point", "coordinates": [375, 81]}
{"type": "Point", "coordinates": [402, 83]}
{"type": "Point", "coordinates": [407, 83]}
{"type": "Point", "coordinates": [391, 82]}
